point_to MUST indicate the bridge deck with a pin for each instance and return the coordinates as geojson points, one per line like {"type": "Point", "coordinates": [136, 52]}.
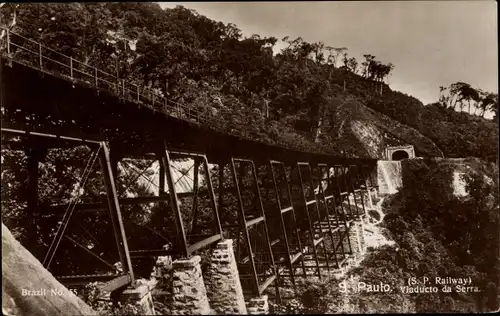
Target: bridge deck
{"type": "Point", "coordinates": [53, 104]}
{"type": "Point", "coordinates": [34, 100]}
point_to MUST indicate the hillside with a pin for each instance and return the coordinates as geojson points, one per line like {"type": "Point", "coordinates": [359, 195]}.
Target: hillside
{"type": "Point", "coordinates": [428, 234]}
{"type": "Point", "coordinates": [308, 96]}
{"type": "Point", "coordinates": [371, 131]}
{"type": "Point", "coordinates": [431, 224]}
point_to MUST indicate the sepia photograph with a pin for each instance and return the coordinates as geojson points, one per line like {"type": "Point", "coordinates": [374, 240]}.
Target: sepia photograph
{"type": "Point", "coordinates": [249, 158]}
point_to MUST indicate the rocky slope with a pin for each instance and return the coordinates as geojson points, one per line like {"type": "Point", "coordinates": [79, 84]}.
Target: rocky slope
{"type": "Point", "coordinates": [371, 131]}
{"type": "Point", "coordinates": [29, 289]}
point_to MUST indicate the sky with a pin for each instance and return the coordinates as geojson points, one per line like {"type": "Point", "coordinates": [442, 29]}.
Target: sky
{"type": "Point", "coordinates": [431, 43]}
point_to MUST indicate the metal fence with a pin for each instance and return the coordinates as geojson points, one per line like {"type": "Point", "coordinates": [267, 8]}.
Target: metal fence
{"type": "Point", "coordinates": [31, 53]}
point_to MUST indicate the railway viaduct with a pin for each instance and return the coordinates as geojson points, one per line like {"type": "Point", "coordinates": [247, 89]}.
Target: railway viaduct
{"type": "Point", "coordinates": [275, 215]}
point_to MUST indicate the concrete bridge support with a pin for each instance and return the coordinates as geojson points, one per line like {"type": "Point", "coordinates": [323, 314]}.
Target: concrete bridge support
{"type": "Point", "coordinates": [138, 300]}
{"type": "Point", "coordinates": [361, 230]}
{"type": "Point", "coordinates": [223, 282]}
{"type": "Point", "coordinates": [162, 271]}
{"type": "Point", "coordinates": [356, 236]}
{"type": "Point", "coordinates": [162, 276]}
{"type": "Point", "coordinates": [188, 288]}
{"type": "Point", "coordinates": [258, 306]}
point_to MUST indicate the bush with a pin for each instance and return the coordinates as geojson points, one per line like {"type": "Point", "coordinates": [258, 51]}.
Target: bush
{"type": "Point", "coordinates": [315, 295]}
{"type": "Point", "coordinates": [446, 235]}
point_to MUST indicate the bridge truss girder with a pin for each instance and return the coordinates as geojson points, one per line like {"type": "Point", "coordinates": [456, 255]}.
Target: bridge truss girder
{"type": "Point", "coordinates": [78, 114]}
{"type": "Point", "coordinates": [322, 196]}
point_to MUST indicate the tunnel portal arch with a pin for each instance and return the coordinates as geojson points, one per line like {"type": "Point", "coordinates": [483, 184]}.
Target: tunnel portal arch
{"type": "Point", "coordinates": [399, 152]}
{"type": "Point", "coordinates": [400, 155]}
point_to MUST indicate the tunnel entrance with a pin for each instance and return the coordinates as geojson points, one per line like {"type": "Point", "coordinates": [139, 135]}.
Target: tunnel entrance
{"type": "Point", "coordinates": [400, 155]}
{"type": "Point", "coordinates": [399, 152]}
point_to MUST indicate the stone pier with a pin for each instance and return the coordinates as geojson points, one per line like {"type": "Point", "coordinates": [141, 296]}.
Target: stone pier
{"type": "Point", "coordinates": [356, 236]}
{"type": "Point", "coordinates": [188, 288]}
{"type": "Point", "coordinates": [137, 300]}
{"type": "Point", "coordinates": [361, 234]}
{"type": "Point", "coordinates": [162, 271]}
{"type": "Point", "coordinates": [367, 197]}
{"type": "Point", "coordinates": [258, 306]}
{"type": "Point", "coordinates": [354, 239]}
{"type": "Point", "coordinates": [162, 275]}
{"type": "Point", "coordinates": [223, 282]}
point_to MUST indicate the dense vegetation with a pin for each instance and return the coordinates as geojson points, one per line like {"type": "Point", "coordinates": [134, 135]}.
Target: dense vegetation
{"type": "Point", "coordinates": [437, 234]}
{"type": "Point", "coordinates": [286, 98]}
{"type": "Point", "coordinates": [440, 234]}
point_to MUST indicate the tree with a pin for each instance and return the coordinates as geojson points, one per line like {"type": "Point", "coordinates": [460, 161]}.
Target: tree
{"type": "Point", "coordinates": [366, 64]}
{"type": "Point", "coordinates": [352, 64]}
{"type": "Point", "coordinates": [194, 60]}
{"type": "Point", "coordinates": [387, 71]}
{"type": "Point", "coordinates": [488, 101]}
{"type": "Point", "coordinates": [464, 92]}
{"type": "Point", "coordinates": [319, 55]}
{"type": "Point", "coordinates": [8, 16]}
{"type": "Point", "coordinates": [456, 92]}
{"type": "Point", "coordinates": [471, 94]}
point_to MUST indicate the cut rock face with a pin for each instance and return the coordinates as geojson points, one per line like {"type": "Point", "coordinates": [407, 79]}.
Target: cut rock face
{"type": "Point", "coordinates": [29, 289]}
{"type": "Point", "coordinates": [459, 184]}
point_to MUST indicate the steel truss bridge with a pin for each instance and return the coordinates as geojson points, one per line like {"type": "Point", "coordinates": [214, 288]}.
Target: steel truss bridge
{"type": "Point", "coordinates": [288, 211]}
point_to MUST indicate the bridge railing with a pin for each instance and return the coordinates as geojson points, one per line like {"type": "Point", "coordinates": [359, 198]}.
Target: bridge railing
{"type": "Point", "coordinates": [32, 53]}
